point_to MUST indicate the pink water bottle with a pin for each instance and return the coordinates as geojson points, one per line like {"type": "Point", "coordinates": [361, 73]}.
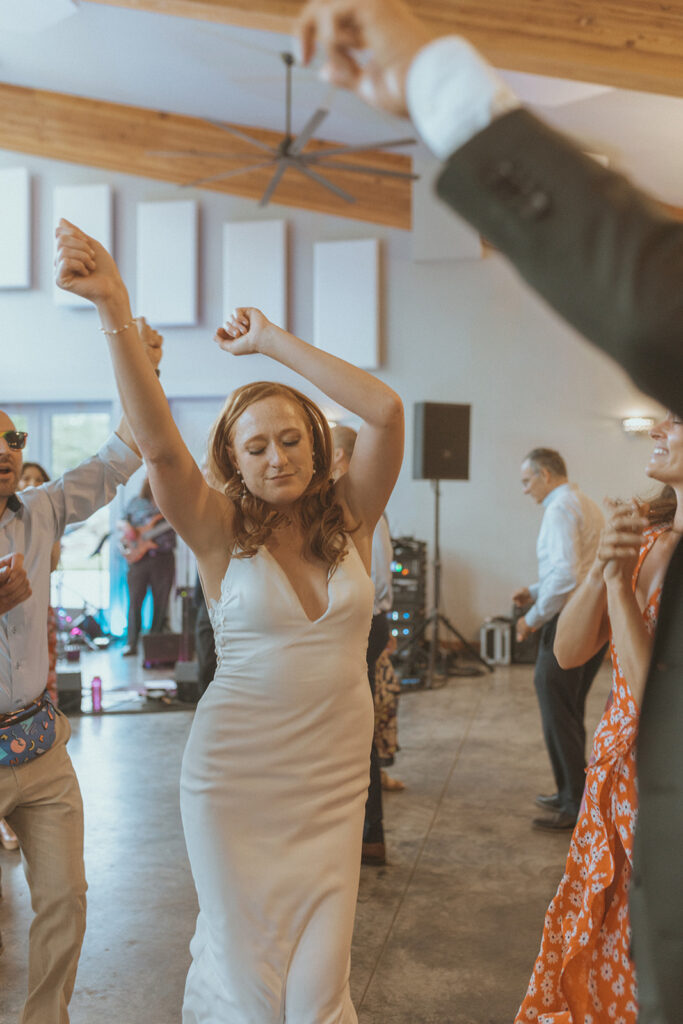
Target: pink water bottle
{"type": "Point", "coordinates": [96, 691]}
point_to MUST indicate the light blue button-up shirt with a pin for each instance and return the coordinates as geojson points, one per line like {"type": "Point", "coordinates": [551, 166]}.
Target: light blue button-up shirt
{"type": "Point", "coordinates": [567, 543]}
{"type": "Point", "coordinates": [30, 524]}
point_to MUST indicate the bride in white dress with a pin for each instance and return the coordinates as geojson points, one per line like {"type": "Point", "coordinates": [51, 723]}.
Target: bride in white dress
{"type": "Point", "coordinates": [276, 768]}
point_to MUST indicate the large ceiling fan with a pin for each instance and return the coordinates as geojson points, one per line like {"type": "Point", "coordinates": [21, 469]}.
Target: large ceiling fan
{"type": "Point", "coordinates": [289, 153]}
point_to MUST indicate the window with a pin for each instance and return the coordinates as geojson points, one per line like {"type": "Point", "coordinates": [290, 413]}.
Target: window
{"type": "Point", "coordinates": [83, 577]}
{"type": "Point", "coordinates": [20, 421]}
{"type": "Point", "coordinates": [61, 436]}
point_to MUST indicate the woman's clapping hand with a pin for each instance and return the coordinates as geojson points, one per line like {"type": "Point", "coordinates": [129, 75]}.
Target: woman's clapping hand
{"type": "Point", "coordinates": [621, 538]}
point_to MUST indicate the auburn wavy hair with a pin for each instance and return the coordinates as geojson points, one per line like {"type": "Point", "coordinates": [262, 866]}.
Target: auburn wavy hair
{"type": "Point", "coordinates": [319, 512]}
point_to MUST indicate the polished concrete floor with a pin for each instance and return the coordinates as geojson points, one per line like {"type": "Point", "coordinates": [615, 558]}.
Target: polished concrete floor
{"type": "Point", "coordinates": [446, 933]}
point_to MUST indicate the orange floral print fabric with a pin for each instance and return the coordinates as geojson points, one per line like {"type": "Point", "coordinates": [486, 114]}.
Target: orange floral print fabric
{"type": "Point", "coordinates": [583, 973]}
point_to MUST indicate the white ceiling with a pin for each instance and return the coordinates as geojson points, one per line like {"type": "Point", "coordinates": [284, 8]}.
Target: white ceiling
{"type": "Point", "coordinates": [203, 69]}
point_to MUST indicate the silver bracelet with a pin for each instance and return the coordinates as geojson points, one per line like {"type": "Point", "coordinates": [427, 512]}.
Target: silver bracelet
{"type": "Point", "coordinates": [119, 330]}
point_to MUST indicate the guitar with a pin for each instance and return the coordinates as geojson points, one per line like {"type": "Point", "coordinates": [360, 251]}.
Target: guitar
{"type": "Point", "coordinates": [136, 542]}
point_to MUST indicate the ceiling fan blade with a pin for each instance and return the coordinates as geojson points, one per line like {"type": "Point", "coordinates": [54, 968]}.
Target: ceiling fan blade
{"type": "Point", "coordinates": [323, 181]}
{"type": "Point", "coordinates": [360, 169]}
{"type": "Point", "coordinates": [239, 134]}
{"type": "Point", "coordinates": [308, 130]}
{"type": "Point", "coordinates": [227, 174]}
{"type": "Point", "coordinates": [273, 184]}
{"type": "Point", "coordinates": [362, 147]}
{"type": "Point", "coordinates": [200, 153]}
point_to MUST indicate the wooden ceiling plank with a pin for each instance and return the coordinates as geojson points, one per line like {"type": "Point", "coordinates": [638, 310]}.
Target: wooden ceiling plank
{"type": "Point", "coordinates": [632, 44]}
{"type": "Point", "coordinates": [263, 15]}
{"type": "Point", "coordinates": [121, 138]}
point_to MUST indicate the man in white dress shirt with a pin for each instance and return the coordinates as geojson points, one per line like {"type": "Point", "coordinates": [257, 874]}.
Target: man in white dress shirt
{"type": "Point", "coordinates": [567, 542]}
{"type": "Point", "coordinates": [40, 798]}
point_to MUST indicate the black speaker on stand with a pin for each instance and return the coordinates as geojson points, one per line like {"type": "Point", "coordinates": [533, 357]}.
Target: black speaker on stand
{"type": "Point", "coordinates": [441, 451]}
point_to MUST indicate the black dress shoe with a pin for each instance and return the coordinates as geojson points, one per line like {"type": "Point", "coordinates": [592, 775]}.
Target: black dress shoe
{"type": "Point", "coordinates": [129, 652]}
{"type": "Point", "coordinates": [374, 855]}
{"type": "Point", "coordinates": [548, 803]}
{"type": "Point", "coordinates": [558, 822]}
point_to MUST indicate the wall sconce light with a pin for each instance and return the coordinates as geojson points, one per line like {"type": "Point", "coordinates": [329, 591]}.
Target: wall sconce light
{"type": "Point", "coordinates": [637, 424]}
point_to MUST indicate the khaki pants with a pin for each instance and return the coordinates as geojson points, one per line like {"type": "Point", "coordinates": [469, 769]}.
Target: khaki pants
{"type": "Point", "coordinates": [41, 800]}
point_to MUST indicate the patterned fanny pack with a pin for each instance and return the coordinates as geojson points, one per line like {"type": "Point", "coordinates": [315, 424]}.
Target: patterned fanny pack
{"type": "Point", "coordinates": [26, 733]}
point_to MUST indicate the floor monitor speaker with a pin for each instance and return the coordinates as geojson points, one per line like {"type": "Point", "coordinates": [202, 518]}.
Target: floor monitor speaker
{"type": "Point", "coordinates": [441, 441]}
{"type": "Point", "coordinates": [160, 649]}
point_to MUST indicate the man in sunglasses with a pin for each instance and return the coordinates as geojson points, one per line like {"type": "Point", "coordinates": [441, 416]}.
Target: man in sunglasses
{"type": "Point", "coordinates": [14, 583]}
{"type": "Point", "coordinates": [39, 791]}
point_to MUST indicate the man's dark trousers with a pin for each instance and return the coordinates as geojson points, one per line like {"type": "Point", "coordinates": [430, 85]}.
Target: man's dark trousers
{"type": "Point", "coordinates": [562, 699]}
{"type": "Point", "coordinates": [204, 640]}
{"type": "Point", "coordinates": [373, 829]}
{"type": "Point", "coordinates": [155, 571]}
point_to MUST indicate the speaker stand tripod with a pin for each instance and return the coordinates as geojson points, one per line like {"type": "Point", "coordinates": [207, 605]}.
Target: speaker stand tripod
{"type": "Point", "coordinates": [436, 618]}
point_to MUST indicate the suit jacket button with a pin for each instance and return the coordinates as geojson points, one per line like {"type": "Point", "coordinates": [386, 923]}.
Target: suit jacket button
{"type": "Point", "coordinates": [661, 666]}
{"type": "Point", "coordinates": [536, 205]}
{"type": "Point", "coordinates": [501, 176]}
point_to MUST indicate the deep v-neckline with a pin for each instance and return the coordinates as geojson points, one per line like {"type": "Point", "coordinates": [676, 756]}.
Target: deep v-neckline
{"type": "Point", "coordinates": [294, 593]}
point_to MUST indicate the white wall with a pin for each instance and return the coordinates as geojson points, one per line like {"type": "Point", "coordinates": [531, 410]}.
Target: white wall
{"type": "Point", "coordinates": [461, 331]}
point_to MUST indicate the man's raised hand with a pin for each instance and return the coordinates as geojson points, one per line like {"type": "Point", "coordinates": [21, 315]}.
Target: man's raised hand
{"type": "Point", "coordinates": [385, 29]}
{"type": "Point", "coordinates": [152, 340]}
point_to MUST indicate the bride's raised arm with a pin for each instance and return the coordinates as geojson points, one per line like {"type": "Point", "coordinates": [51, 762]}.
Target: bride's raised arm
{"type": "Point", "coordinates": [199, 514]}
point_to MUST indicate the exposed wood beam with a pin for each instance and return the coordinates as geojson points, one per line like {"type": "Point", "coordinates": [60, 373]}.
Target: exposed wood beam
{"type": "Point", "coordinates": [121, 138]}
{"type": "Point", "coordinates": [265, 15]}
{"type": "Point", "coordinates": [632, 44]}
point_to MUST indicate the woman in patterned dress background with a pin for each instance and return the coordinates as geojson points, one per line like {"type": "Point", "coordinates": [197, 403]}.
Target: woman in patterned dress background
{"type": "Point", "coordinates": [584, 973]}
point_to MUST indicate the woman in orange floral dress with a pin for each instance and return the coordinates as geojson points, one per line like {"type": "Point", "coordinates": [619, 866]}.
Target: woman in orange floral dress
{"type": "Point", "coordinates": [584, 973]}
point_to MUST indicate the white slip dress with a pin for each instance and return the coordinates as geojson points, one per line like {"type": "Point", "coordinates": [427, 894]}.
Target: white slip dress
{"type": "Point", "coordinates": [273, 788]}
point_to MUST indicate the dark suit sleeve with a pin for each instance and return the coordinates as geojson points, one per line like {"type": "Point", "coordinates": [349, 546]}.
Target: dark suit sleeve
{"type": "Point", "coordinates": [597, 249]}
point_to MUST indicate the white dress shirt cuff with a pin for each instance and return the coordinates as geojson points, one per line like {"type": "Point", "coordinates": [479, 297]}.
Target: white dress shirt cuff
{"type": "Point", "coordinates": [453, 94]}
{"type": "Point", "coordinates": [122, 459]}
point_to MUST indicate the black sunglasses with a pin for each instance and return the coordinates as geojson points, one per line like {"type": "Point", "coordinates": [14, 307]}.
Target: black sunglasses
{"type": "Point", "coordinates": [16, 439]}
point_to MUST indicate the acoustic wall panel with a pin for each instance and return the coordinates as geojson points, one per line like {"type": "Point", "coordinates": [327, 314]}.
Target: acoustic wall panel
{"type": "Point", "coordinates": [255, 268]}
{"type": "Point", "coordinates": [15, 228]}
{"type": "Point", "coordinates": [89, 207]}
{"type": "Point", "coordinates": [167, 262]}
{"type": "Point", "coordinates": [346, 300]}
